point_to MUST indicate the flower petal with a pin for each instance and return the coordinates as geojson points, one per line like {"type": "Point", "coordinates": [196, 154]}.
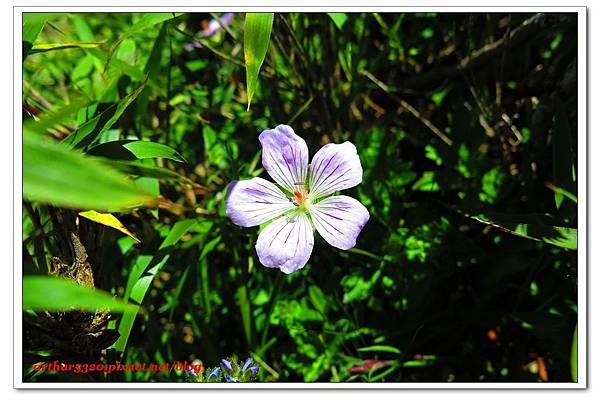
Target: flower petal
{"type": "Point", "coordinates": [252, 202]}
{"type": "Point", "coordinates": [333, 168]}
{"type": "Point", "coordinates": [284, 156]}
{"type": "Point", "coordinates": [286, 243]}
{"type": "Point", "coordinates": [339, 220]}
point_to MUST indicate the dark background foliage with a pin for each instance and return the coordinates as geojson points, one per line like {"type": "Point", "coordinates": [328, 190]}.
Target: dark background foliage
{"type": "Point", "coordinates": [453, 115]}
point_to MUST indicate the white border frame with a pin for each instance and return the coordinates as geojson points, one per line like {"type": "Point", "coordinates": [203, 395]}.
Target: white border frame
{"type": "Point", "coordinates": [581, 223]}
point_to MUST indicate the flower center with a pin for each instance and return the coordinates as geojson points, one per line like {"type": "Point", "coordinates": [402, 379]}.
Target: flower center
{"type": "Point", "coordinates": [301, 197]}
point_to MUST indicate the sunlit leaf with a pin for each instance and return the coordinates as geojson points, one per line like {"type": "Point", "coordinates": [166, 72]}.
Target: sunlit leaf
{"type": "Point", "coordinates": [109, 220]}
{"type": "Point", "coordinates": [46, 47]}
{"type": "Point", "coordinates": [257, 34]}
{"type": "Point", "coordinates": [42, 293]}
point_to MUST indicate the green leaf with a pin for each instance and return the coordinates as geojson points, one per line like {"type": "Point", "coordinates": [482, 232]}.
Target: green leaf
{"type": "Point", "coordinates": [257, 34]}
{"type": "Point", "coordinates": [46, 47]}
{"type": "Point", "coordinates": [133, 150]}
{"type": "Point", "coordinates": [339, 19]}
{"type": "Point", "coordinates": [426, 183]}
{"type": "Point", "coordinates": [42, 293]}
{"type": "Point", "coordinates": [144, 170]}
{"type": "Point", "coordinates": [33, 23]}
{"type": "Point", "coordinates": [55, 175]}
{"type": "Point", "coordinates": [532, 226]}
{"type": "Point", "coordinates": [138, 283]}
{"type": "Point", "coordinates": [148, 20]}
{"type": "Point", "coordinates": [93, 128]}
{"type": "Point", "coordinates": [574, 356]}
{"type": "Point", "coordinates": [51, 119]}
{"type": "Point", "coordinates": [381, 348]}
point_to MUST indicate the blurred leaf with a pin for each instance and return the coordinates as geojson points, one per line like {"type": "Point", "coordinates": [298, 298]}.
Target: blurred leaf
{"type": "Point", "coordinates": [42, 293]}
{"type": "Point", "coordinates": [131, 150]}
{"type": "Point", "coordinates": [46, 47]}
{"type": "Point", "coordinates": [93, 128]}
{"type": "Point", "coordinates": [339, 19]}
{"type": "Point", "coordinates": [317, 298]}
{"type": "Point", "coordinates": [55, 117]}
{"type": "Point", "coordinates": [257, 34]}
{"type": "Point", "coordinates": [109, 220]}
{"type": "Point", "coordinates": [55, 175]}
{"type": "Point", "coordinates": [380, 348]}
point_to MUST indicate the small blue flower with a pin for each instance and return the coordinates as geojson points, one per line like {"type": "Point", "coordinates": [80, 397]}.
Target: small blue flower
{"type": "Point", "coordinates": [214, 373]}
{"type": "Point", "coordinates": [254, 369]}
{"type": "Point", "coordinates": [230, 379]}
{"type": "Point", "coordinates": [247, 364]}
{"type": "Point", "coordinates": [227, 365]}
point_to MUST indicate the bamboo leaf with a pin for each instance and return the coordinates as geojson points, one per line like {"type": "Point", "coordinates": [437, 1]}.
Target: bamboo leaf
{"type": "Point", "coordinates": [93, 128]}
{"type": "Point", "coordinates": [46, 47]}
{"type": "Point", "coordinates": [42, 293]}
{"type": "Point", "coordinates": [257, 34]}
{"type": "Point", "coordinates": [56, 175]}
{"type": "Point", "coordinates": [55, 117]}
{"type": "Point", "coordinates": [133, 150]}
{"type": "Point", "coordinates": [339, 19]}
{"type": "Point", "coordinates": [109, 220]}
{"type": "Point", "coordinates": [144, 170]}
{"type": "Point", "coordinates": [33, 23]}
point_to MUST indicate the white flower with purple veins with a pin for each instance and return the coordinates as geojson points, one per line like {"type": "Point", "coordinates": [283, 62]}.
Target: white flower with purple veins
{"type": "Point", "coordinates": [301, 201]}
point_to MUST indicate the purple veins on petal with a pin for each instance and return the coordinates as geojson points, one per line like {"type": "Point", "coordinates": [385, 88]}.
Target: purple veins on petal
{"type": "Point", "coordinates": [286, 243]}
{"type": "Point", "coordinates": [284, 156]}
{"type": "Point", "coordinates": [252, 202]}
{"type": "Point", "coordinates": [333, 168]}
{"type": "Point", "coordinates": [339, 220]}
